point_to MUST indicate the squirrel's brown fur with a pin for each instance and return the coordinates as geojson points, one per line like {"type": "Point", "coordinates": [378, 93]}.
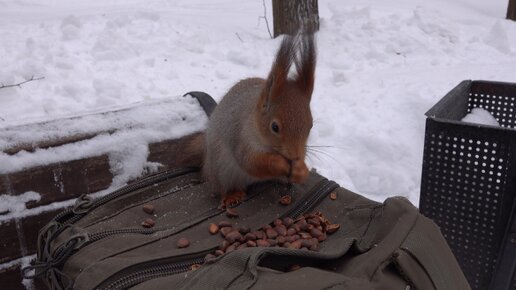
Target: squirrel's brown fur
{"type": "Point", "coordinates": [241, 145]}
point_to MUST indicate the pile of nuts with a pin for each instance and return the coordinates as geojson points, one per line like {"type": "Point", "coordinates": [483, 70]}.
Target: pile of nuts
{"type": "Point", "coordinates": [305, 232]}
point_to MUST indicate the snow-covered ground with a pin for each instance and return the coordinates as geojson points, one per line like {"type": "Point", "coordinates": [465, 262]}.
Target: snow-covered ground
{"type": "Point", "coordinates": [382, 64]}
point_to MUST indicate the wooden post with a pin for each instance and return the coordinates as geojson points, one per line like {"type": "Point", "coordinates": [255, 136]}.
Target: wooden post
{"type": "Point", "coordinates": [511, 10]}
{"type": "Point", "coordinates": [292, 15]}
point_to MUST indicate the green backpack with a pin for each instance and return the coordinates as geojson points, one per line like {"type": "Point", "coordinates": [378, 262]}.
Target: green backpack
{"type": "Point", "coordinates": [166, 232]}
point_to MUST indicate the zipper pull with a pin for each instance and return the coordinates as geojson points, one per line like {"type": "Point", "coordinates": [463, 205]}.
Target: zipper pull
{"type": "Point", "coordinates": [82, 204]}
{"type": "Point", "coordinates": [50, 266]}
{"type": "Point", "coordinates": [44, 237]}
{"type": "Point", "coordinates": [79, 240]}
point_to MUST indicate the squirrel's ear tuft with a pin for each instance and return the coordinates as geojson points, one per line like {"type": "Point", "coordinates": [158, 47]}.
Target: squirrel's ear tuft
{"type": "Point", "coordinates": [305, 64]}
{"type": "Point", "coordinates": [278, 75]}
{"type": "Point", "coordinates": [265, 97]}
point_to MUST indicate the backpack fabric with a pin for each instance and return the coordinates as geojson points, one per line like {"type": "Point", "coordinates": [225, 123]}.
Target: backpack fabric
{"type": "Point", "coordinates": [101, 244]}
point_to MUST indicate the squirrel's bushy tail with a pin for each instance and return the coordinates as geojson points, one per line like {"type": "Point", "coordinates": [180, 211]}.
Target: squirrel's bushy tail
{"type": "Point", "coordinates": [194, 151]}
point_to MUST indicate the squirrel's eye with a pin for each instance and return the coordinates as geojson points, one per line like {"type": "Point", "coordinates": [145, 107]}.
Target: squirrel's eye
{"type": "Point", "coordinates": [275, 127]}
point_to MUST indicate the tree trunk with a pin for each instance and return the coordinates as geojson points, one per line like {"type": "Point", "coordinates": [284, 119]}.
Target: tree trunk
{"type": "Point", "coordinates": [511, 10]}
{"type": "Point", "coordinates": [292, 15]}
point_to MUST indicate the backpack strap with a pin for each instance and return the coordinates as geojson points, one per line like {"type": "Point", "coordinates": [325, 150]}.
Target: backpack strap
{"type": "Point", "coordinates": [206, 101]}
{"type": "Point", "coordinates": [426, 250]}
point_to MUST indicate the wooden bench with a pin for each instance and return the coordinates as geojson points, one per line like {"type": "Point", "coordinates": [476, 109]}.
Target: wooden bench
{"type": "Point", "coordinates": [59, 184]}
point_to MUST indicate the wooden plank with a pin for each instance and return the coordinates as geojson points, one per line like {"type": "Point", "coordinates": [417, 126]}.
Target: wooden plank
{"type": "Point", "coordinates": [115, 120]}
{"type": "Point", "coordinates": [39, 284]}
{"type": "Point", "coordinates": [10, 245]}
{"type": "Point", "coordinates": [17, 242]}
{"type": "Point", "coordinates": [63, 181]}
{"type": "Point", "coordinates": [45, 144]}
{"type": "Point", "coordinates": [170, 152]}
{"type": "Point", "coordinates": [59, 181]}
{"type": "Point", "coordinates": [32, 225]}
{"type": "Point", "coordinates": [10, 278]}
{"type": "Point", "coordinates": [51, 125]}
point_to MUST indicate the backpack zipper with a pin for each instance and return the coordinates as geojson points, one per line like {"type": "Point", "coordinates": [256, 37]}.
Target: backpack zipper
{"type": "Point", "coordinates": [310, 200]}
{"type": "Point", "coordinates": [46, 260]}
{"type": "Point", "coordinates": [139, 273]}
{"type": "Point", "coordinates": [88, 238]}
{"type": "Point", "coordinates": [71, 216]}
{"type": "Point", "coordinates": [149, 270]}
{"type": "Point", "coordinates": [85, 203]}
{"type": "Point", "coordinates": [83, 239]}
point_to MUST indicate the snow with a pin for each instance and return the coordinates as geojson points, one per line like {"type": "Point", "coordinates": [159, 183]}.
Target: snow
{"type": "Point", "coordinates": [382, 65]}
{"type": "Point", "coordinates": [16, 204]}
{"type": "Point", "coordinates": [21, 212]}
{"type": "Point", "coordinates": [480, 116]}
{"type": "Point", "coordinates": [127, 135]}
{"type": "Point", "coordinates": [22, 262]}
{"type": "Point", "coordinates": [497, 38]}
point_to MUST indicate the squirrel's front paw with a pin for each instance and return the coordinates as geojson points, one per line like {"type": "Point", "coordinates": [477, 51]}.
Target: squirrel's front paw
{"type": "Point", "coordinates": [299, 172]}
{"type": "Point", "coordinates": [278, 166]}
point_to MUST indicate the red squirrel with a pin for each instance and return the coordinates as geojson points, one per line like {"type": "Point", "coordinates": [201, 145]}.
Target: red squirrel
{"type": "Point", "coordinates": [260, 128]}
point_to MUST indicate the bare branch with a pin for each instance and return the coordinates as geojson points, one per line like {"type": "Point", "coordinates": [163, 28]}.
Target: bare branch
{"type": "Point", "coordinates": [2, 86]}
{"type": "Point", "coordinates": [239, 37]}
{"type": "Point", "coordinates": [265, 18]}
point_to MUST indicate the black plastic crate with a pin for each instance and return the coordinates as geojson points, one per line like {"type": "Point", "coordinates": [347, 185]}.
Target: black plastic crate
{"type": "Point", "coordinates": [468, 181]}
